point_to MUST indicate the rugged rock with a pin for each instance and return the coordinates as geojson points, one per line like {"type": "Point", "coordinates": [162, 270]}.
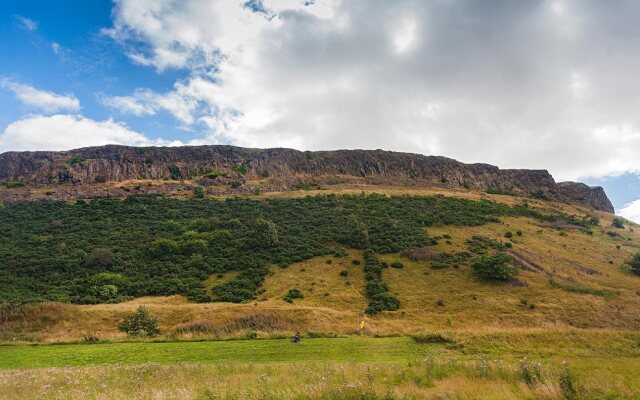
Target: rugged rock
{"type": "Point", "coordinates": [229, 169]}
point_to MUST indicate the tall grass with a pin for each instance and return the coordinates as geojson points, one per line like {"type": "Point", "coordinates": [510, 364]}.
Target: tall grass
{"type": "Point", "coordinates": [431, 378]}
{"type": "Point", "coordinates": [25, 321]}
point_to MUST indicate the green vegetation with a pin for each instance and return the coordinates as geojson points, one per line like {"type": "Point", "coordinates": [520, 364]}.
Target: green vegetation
{"type": "Point", "coordinates": [165, 246]}
{"type": "Point", "coordinates": [634, 264]}
{"type": "Point", "coordinates": [358, 349]}
{"type": "Point", "coordinates": [140, 323]}
{"type": "Point", "coordinates": [293, 294]}
{"type": "Point", "coordinates": [617, 223]}
{"type": "Point", "coordinates": [495, 267]}
{"type": "Point", "coordinates": [377, 291]}
{"type": "Point", "coordinates": [199, 192]}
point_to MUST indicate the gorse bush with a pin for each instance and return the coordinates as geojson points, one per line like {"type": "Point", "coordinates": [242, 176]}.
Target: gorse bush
{"type": "Point", "coordinates": [140, 323]}
{"type": "Point", "coordinates": [377, 291]}
{"type": "Point", "coordinates": [495, 266]}
{"type": "Point", "coordinates": [166, 246]}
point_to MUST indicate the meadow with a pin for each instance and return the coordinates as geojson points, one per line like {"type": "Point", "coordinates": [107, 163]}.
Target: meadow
{"type": "Point", "coordinates": [439, 366]}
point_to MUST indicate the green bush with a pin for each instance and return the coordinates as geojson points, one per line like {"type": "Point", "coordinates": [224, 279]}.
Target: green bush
{"type": "Point", "coordinates": [199, 192]}
{"type": "Point", "coordinates": [293, 294]}
{"type": "Point", "coordinates": [617, 223]}
{"type": "Point", "coordinates": [495, 267]}
{"type": "Point", "coordinates": [634, 263]}
{"type": "Point", "coordinates": [140, 323]}
{"type": "Point", "coordinates": [397, 265]}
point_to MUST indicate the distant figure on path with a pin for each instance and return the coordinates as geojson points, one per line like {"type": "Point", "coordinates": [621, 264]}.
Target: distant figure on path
{"type": "Point", "coordinates": [296, 338]}
{"type": "Point", "coordinates": [362, 326]}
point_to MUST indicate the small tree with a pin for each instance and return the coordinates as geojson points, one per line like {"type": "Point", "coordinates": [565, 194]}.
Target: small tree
{"type": "Point", "coordinates": [139, 323]}
{"type": "Point", "coordinates": [266, 233]}
{"type": "Point", "coordinates": [634, 263]}
{"type": "Point", "coordinates": [495, 267]}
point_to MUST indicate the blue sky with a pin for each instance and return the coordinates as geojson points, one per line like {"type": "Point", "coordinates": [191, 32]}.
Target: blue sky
{"type": "Point", "coordinates": [548, 85]}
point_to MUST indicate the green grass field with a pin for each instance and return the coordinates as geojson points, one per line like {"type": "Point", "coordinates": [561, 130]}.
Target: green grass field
{"type": "Point", "coordinates": [351, 349]}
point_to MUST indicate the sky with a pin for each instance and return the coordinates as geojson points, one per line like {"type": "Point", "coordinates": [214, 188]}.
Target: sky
{"type": "Point", "coordinates": [549, 84]}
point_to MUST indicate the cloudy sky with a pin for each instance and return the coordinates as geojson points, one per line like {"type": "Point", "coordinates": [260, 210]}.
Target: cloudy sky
{"type": "Point", "coordinates": [520, 84]}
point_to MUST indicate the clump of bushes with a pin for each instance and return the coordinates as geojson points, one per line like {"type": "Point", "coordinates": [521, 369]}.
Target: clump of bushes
{"type": "Point", "coordinates": [377, 291]}
{"type": "Point", "coordinates": [495, 267]}
{"type": "Point", "coordinates": [344, 273]}
{"type": "Point", "coordinates": [397, 265]}
{"type": "Point", "coordinates": [617, 223]}
{"type": "Point", "coordinates": [140, 323]}
{"type": "Point", "coordinates": [293, 294]}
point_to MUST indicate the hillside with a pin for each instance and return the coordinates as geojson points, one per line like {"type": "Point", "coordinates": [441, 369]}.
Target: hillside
{"type": "Point", "coordinates": [570, 263]}
{"type": "Point", "coordinates": [117, 171]}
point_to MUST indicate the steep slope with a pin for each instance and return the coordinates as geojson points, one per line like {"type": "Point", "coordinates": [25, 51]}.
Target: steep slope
{"type": "Point", "coordinates": [98, 172]}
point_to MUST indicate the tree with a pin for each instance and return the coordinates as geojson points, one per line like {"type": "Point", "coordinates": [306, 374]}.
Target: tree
{"type": "Point", "coordinates": [100, 258]}
{"type": "Point", "coordinates": [495, 267]}
{"type": "Point", "coordinates": [266, 233]}
{"type": "Point", "coordinates": [140, 323]}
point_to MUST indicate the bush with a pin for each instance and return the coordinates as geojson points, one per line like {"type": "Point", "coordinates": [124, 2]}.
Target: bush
{"type": "Point", "coordinates": [495, 267]}
{"type": "Point", "coordinates": [397, 265]}
{"type": "Point", "coordinates": [293, 294]}
{"type": "Point", "coordinates": [634, 263]}
{"type": "Point", "coordinates": [617, 223]}
{"type": "Point", "coordinates": [344, 273]}
{"type": "Point", "coordinates": [199, 192]}
{"type": "Point", "coordinates": [100, 258]}
{"type": "Point", "coordinates": [140, 323]}
{"type": "Point", "coordinates": [508, 235]}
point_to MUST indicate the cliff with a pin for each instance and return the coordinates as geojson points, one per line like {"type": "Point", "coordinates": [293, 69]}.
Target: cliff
{"type": "Point", "coordinates": [70, 174]}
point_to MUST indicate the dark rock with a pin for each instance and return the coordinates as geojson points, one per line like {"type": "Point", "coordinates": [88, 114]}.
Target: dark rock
{"type": "Point", "coordinates": [282, 168]}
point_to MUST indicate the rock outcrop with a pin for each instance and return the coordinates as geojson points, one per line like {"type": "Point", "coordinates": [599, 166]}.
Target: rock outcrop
{"type": "Point", "coordinates": [72, 172]}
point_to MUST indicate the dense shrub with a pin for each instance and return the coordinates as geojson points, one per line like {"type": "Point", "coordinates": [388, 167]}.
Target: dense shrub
{"type": "Point", "coordinates": [617, 223]}
{"type": "Point", "coordinates": [397, 264]}
{"type": "Point", "coordinates": [139, 323]}
{"type": "Point", "coordinates": [495, 266]}
{"type": "Point", "coordinates": [293, 294]}
{"type": "Point", "coordinates": [377, 291]}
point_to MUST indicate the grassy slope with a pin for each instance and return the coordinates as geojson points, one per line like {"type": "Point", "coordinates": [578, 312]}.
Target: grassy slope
{"type": "Point", "coordinates": [334, 303]}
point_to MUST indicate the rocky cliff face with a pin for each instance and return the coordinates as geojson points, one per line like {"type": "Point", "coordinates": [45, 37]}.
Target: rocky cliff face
{"type": "Point", "coordinates": [234, 168]}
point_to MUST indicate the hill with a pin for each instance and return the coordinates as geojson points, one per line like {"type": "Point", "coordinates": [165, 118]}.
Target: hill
{"type": "Point", "coordinates": [487, 280]}
{"type": "Point", "coordinates": [117, 171]}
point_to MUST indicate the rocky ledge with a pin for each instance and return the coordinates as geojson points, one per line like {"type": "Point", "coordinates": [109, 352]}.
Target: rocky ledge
{"type": "Point", "coordinates": [88, 172]}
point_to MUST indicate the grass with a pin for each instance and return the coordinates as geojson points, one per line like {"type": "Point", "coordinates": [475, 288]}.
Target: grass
{"type": "Point", "coordinates": [355, 349]}
{"type": "Point", "coordinates": [341, 368]}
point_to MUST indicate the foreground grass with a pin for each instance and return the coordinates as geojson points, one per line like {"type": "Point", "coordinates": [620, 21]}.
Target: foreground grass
{"type": "Point", "coordinates": [569, 365]}
{"type": "Point", "coordinates": [433, 377]}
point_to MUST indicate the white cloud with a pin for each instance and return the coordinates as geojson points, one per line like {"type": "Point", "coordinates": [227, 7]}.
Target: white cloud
{"type": "Point", "coordinates": [631, 211]}
{"type": "Point", "coordinates": [41, 99]}
{"type": "Point", "coordinates": [56, 48]}
{"type": "Point", "coordinates": [535, 85]}
{"type": "Point", "coordinates": [26, 23]}
{"type": "Point", "coordinates": [64, 132]}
